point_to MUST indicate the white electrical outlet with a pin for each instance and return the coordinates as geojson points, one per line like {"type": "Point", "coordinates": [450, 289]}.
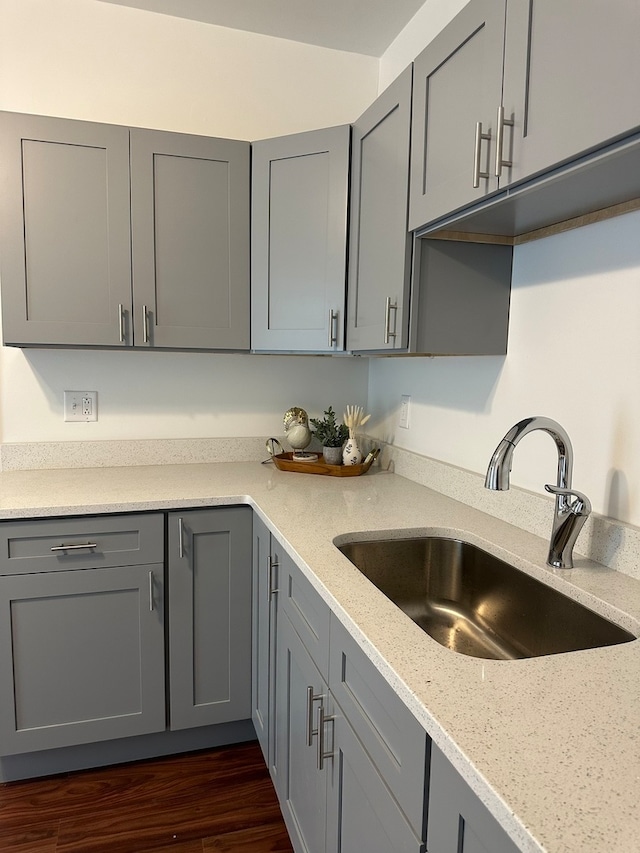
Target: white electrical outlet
{"type": "Point", "coordinates": [405, 402]}
{"type": "Point", "coordinates": [81, 405]}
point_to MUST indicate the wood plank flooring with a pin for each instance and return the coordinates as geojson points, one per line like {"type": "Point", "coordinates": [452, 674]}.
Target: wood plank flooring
{"type": "Point", "coordinates": [217, 801]}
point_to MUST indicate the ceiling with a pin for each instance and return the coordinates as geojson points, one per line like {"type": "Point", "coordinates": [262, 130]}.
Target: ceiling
{"type": "Point", "coordinates": [359, 26]}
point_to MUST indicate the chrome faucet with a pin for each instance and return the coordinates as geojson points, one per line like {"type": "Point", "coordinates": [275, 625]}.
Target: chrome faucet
{"type": "Point", "coordinates": [569, 517]}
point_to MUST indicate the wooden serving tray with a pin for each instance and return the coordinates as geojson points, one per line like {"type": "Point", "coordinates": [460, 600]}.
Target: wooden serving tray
{"type": "Point", "coordinates": [286, 462]}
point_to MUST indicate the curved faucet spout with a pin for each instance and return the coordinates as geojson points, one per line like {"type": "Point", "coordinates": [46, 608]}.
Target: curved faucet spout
{"type": "Point", "coordinates": [565, 515]}
{"type": "Point", "coordinates": [500, 465]}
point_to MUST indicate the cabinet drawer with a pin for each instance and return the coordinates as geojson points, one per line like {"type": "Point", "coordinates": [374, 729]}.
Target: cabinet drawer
{"type": "Point", "coordinates": [394, 740]}
{"type": "Point", "coordinates": [81, 543]}
{"type": "Point", "coordinates": [307, 612]}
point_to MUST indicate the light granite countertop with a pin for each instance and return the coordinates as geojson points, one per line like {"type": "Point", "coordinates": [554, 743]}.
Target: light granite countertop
{"type": "Point", "coordinates": [551, 745]}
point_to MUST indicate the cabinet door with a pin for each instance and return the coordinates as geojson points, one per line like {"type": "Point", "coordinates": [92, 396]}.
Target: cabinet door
{"type": "Point", "coordinates": [394, 740]}
{"type": "Point", "coordinates": [457, 84]}
{"type": "Point", "coordinates": [209, 616]}
{"type": "Point", "coordinates": [64, 226]}
{"type": "Point", "coordinates": [571, 79]}
{"type": "Point", "coordinates": [190, 241]}
{"type": "Point", "coordinates": [81, 657]}
{"type": "Point", "coordinates": [301, 786]}
{"type": "Point", "coordinates": [299, 240]}
{"type": "Point", "coordinates": [458, 821]}
{"type": "Point", "coordinates": [361, 813]}
{"type": "Point", "coordinates": [264, 624]}
{"type": "Point", "coordinates": [379, 243]}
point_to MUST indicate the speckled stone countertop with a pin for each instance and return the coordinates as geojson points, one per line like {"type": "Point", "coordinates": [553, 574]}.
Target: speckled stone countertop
{"type": "Point", "coordinates": [551, 745]}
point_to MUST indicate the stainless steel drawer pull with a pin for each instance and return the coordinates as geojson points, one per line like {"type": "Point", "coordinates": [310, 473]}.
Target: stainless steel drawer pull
{"type": "Point", "coordinates": [180, 538]}
{"type": "Point", "coordinates": [322, 754]}
{"type": "Point", "coordinates": [388, 308]}
{"type": "Point", "coordinates": [151, 592]}
{"type": "Point", "coordinates": [501, 122]}
{"type": "Point", "coordinates": [333, 327]}
{"type": "Point", "coordinates": [477, 155]}
{"type": "Point", "coordinates": [271, 565]}
{"type": "Point", "coordinates": [311, 698]}
{"type": "Point", "coordinates": [121, 322]}
{"type": "Point", "coordinates": [77, 547]}
{"type": "Point", "coordinates": [145, 324]}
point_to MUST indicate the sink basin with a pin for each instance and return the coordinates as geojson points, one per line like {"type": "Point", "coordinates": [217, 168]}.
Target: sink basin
{"type": "Point", "coordinates": [476, 604]}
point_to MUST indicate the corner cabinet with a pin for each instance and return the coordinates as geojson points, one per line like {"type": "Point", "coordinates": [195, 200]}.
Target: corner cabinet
{"type": "Point", "coordinates": [81, 631]}
{"type": "Point", "coordinates": [379, 242]}
{"type": "Point", "coordinates": [299, 241]}
{"type": "Point", "coordinates": [118, 238]}
{"type": "Point", "coordinates": [209, 564]}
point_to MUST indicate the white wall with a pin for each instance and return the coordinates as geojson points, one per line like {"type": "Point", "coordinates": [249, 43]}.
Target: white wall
{"type": "Point", "coordinates": [573, 355]}
{"type": "Point", "coordinates": [97, 61]}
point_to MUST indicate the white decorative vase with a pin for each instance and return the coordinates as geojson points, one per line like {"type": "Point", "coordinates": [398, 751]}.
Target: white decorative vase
{"type": "Point", "coordinates": [351, 454]}
{"type": "Point", "coordinates": [332, 455]}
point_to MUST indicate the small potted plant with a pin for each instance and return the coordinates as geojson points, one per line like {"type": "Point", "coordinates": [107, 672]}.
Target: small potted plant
{"type": "Point", "coordinates": [331, 435]}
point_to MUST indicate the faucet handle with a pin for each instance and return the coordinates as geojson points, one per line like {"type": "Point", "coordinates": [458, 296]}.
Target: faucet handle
{"type": "Point", "coordinates": [581, 505]}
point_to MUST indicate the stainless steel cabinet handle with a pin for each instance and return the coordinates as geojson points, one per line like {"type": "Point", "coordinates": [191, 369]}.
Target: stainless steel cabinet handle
{"type": "Point", "coordinates": [151, 591]}
{"type": "Point", "coordinates": [145, 324]}
{"type": "Point", "coordinates": [311, 698]}
{"type": "Point", "coordinates": [477, 154]}
{"type": "Point", "coordinates": [322, 720]}
{"type": "Point", "coordinates": [390, 306]}
{"type": "Point", "coordinates": [500, 125]}
{"type": "Point", "coordinates": [333, 327]}
{"type": "Point", "coordinates": [74, 547]}
{"type": "Point", "coordinates": [180, 538]}
{"type": "Point", "coordinates": [121, 322]}
{"type": "Point", "coordinates": [272, 563]}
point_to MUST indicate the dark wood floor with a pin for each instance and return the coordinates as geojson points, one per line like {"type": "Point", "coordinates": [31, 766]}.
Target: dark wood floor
{"type": "Point", "coordinates": [221, 800]}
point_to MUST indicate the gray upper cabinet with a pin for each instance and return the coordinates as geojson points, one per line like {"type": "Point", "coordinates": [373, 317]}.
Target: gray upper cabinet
{"type": "Point", "coordinates": [570, 79]}
{"type": "Point", "coordinates": [379, 244]}
{"type": "Point", "coordinates": [64, 226]}
{"type": "Point", "coordinates": [209, 559]}
{"type": "Point", "coordinates": [298, 241]}
{"type": "Point", "coordinates": [509, 91]}
{"type": "Point", "coordinates": [85, 204]}
{"type": "Point", "coordinates": [457, 89]}
{"type": "Point", "coordinates": [190, 241]}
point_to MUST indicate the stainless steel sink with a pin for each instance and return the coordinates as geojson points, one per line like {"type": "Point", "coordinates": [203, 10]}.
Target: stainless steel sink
{"type": "Point", "coordinates": [473, 603]}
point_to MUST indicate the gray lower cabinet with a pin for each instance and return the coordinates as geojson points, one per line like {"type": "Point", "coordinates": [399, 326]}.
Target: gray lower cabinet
{"type": "Point", "coordinates": [267, 555]}
{"type": "Point", "coordinates": [299, 241]}
{"type": "Point", "coordinates": [302, 783]}
{"type": "Point", "coordinates": [209, 579]}
{"type": "Point", "coordinates": [361, 813]}
{"type": "Point", "coordinates": [379, 242]}
{"type": "Point", "coordinates": [114, 237]}
{"type": "Point", "coordinates": [351, 775]}
{"type": "Point", "coordinates": [82, 642]}
{"type": "Point", "coordinates": [458, 821]}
